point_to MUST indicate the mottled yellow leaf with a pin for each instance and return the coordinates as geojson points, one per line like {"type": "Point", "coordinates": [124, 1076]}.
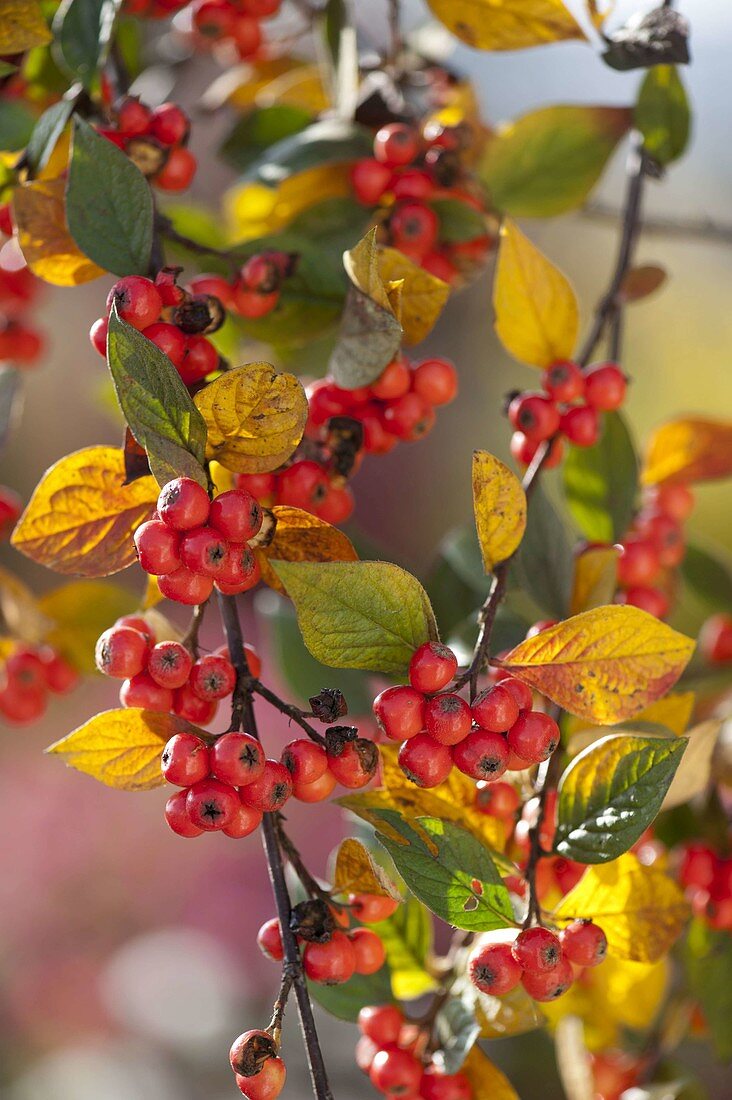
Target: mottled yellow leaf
{"type": "Point", "coordinates": [499, 506]}
{"type": "Point", "coordinates": [255, 417]}
{"type": "Point", "coordinates": [422, 297]}
{"type": "Point", "coordinates": [595, 578]}
{"type": "Point", "coordinates": [22, 26]}
{"type": "Point", "coordinates": [690, 449]}
{"type": "Point", "coordinates": [362, 268]}
{"type": "Point", "coordinates": [357, 873]}
{"type": "Point", "coordinates": [80, 611]}
{"type": "Point", "coordinates": [641, 910]}
{"type": "Point", "coordinates": [122, 748]}
{"type": "Point", "coordinates": [49, 249]}
{"type": "Point", "coordinates": [301, 536]}
{"type": "Point", "coordinates": [507, 24]}
{"type": "Point", "coordinates": [20, 611]}
{"type": "Point", "coordinates": [487, 1080]}
{"type": "Point", "coordinates": [603, 665]}
{"type": "Point", "coordinates": [695, 768]}
{"type": "Point", "coordinates": [537, 318]}
{"type": "Point", "coordinates": [81, 517]}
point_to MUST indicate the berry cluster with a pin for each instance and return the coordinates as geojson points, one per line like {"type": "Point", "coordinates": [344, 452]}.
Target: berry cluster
{"type": "Point", "coordinates": [155, 141]}
{"type": "Point", "coordinates": [306, 483]}
{"type": "Point", "coordinates": [540, 960]}
{"type": "Point", "coordinates": [29, 674]}
{"type": "Point", "coordinates": [237, 22]}
{"type": "Point", "coordinates": [568, 408]}
{"type": "Point", "coordinates": [387, 1052]}
{"type": "Point", "coordinates": [256, 290]}
{"type": "Point", "coordinates": [439, 729]}
{"type": "Point", "coordinates": [20, 343]}
{"type": "Point", "coordinates": [707, 878]}
{"type": "Point", "coordinates": [409, 172]}
{"type": "Point", "coordinates": [259, 1071]}
{"type": "Point", "coordinates": [193, 543]}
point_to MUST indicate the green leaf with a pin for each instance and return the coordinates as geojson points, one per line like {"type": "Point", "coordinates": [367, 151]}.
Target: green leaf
{"type": "Point", "coordinates": [335, 225]}
{"type": "Point", "coordinates": [543, 566]}
{"type": "Point", "coordinates": [709, 576]}
{"type": "Point", "coordinates": [459, 222]}
{"type": "Point", "coordinates": [361, 614]}
{"type": "Point", "coordinates": [6, 68]}
{"type": "Point", "coordinates": [346, 1001]}
{"type": "Point", "coordinates": [16, 125]}
{"type": "Point", "coordinates": [46, 133]}
{"type": "Point", "coordinates": [407, 937]}
{"type": "Point", "coordinates": [332, 141]}
{"type": "Point", "coordinates": [708, 958]}
{"type": "Point", "coordinates": [548, 161]}
{"type": "Point", "coordinates": [83, 31]}
{"type": "Point", "coordinates": [457, 1030]}
{"type": "Point", "coordinates": [156, 404]}
{"type": "Point", "coordinates": [601, 482]}
{"type": "Point", "coordinates": [662, 114]}
{"type": "Point", "coordinates": [109, 206]}
{"type": "Point", "coordinates": [369, 338]}
{"type": "Point", "coordinates": [448, 869]}
{"type": "Point", "coordinates": [260, 129]}
{"type": "Point", "coordinates": [336, 18]}
{"type": "Point", "coordinates": [611, 792]}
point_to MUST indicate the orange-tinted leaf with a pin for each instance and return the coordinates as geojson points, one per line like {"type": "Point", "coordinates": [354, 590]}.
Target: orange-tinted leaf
{"type": "Point", "coordinates": [488, 1082]}
{"type": "Point", "coordinates": [357, 873]}
{"type": "Point", "coordinates": [49, 249]}
{"type": "Point", "coordinates": [604, 665]}
{"type": "Point", "coordinates": [691, 449]}
{"type": "Point", "coordinates": [81, 517]}
{"type": "Point", "coordinates": [301, 536]}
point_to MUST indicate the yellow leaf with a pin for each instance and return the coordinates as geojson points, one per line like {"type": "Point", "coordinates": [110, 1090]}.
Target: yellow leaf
{"type": "Point", "coordinates": [240, 85]}
{"type": "Point", "coordinates": [49, 249]}
{"type": "Point", "coordinates": [82, 516]}
{"type": "Point", "coordinates": [20, 611]}
{"type": "Point", "coordinates": [486, 1079]}
{"type": "Point", "coordinates": [362, 268]}
{"type": "Point", "coordinates": [301, 87]}
{"type": "Point", "coordinates": [507, 24]}
{"type": "Point", "coordinates": [537, 318]}
{"type": "Point", "coordinates": [595, 578]}
{"type": "Point", "coordinates": [673, 711]}
{"type": "Point", "coordinates": [641, 910]}
{"type": "Point", "coordinates": [301, 536]}
{"type": "Point", "coordinates": [122, 748]}
{"type": "Point", "coordinates": [694, 771]}
{"type": "Point", "coordinates": [255, 417]}
{"type": "Point", "coordinates": [356, 872]}
{"type": "Point", "coordinates": [253, 210]}
{"type": "Point", "coordinates": [499, 505]}
{"type": "Point", "coordinates": [22, 26]}
{"type": "Point", "coordinates": [604, 665]}
{"type": "Point", "coordinates": [153, 595]}
{"type": "Point", "coordinates": [423, 296]}
{"type": "Point", "coordinates": [80, 611]}
{"type": "Point", "coordinates": [689, 450]}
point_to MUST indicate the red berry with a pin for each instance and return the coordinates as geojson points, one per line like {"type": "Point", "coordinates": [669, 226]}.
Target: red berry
{"type": "Point", "coordinates": [139, 623]}
{"type": "Point", "coordinates": [521, 692]}
{"type": "Point", "coordinates": [330, 963]}
{"type": "Point", "coordinates": [400, 712]}
{"type": "Point", "coordinates": [493, 969]}
{"type": "Point", "coordinates": [376, 439]}
{"type": "Point", "coordinates": [212, 805]}
{"type": "Point", "coordinates": [497, 799]}
{"type": "Point", "coordinates": [169, 124]}
{"type": "Point", "coordinates": [170, 664]}
{"type": "Point", "coordinates": [436, 381]}
{"type": "Point", "coordinates": [394, 380]}
{"type": "Point", "coordinates": [396, 1073]}
{"type": "Point", "coordinates": [432, 667]}
{"type": "Point", "coordinates": [326, 400]}
{"type": "Point", "coordinates": [238, 759]}
{"type": "Point", "coordinates": [305, 760]}
{"type": "Point", "coordinates": [98, 336]}
{"type": "Point", "coordinates": [261, 9]}
{"type": "Point", "coordinates": [270, 790]}
{"type": "Point", "coordinates": [247, 35]}
{"type": "Point", "coordinates": [381, 1023]}
{"type": "Point", "coordinates": [715, 639]}
{"type": "Point", "coordinates": [183, 504]}
{"type": "Point", "coordinates": [178, 170]}
{"type": "Point", "coordinates": [639, 561]}
{"type": "Point", "coordinates": [246, 821]}
{"type": "Point", "coordinates": [203, 550]}
{"type": "Point", "coordinates": [440, 266]}
{"type": "Point", "coordinates": [11, 507]}
{"type": "Point", "coordinates": [214, 18]}
{"type": "Point", "coordinates": [356, 764]}
{"type": "Point", "coordinates": [213, 676]}
{"type": "Point", "coordinates": [652, 600]}
{"type": "Point", "coordinates": [185, 760]}
{"type": "Point", "coordinates": [413, 183]}
{"type": "Point", "coordinates": [214, 286]}
{"type": "Point", "coordinates": [535, 415]}
{"type": "Point", "coordinates": [19, 704]}
{"type": "Point", "coordinates": [137, 300]}
{"type": "Point", "coordinates": [269, 940]}
{"type": "Point", "coordinates": [6, 220]}
{"type": "Point", "coordinates": [537, 949]}
{"type": "Point", "coordinates": [438, 1085]}
{"type": "Point", "coordinates": [447, 719]}
{"type": "Point", "coordinates": [157, 547]}
{"type": "Point", "coordinates": [133, 117]}
{"type": "Point", "coordinates": [240, 571]}
{"type": "Point", "coordinates": [372, 908]}
{"type": "Point", "coordinates": [253, 303]}
{"type": "Point", "coordinates": [414, 226]}
{"type": "Point", "coordinates": [185, 587]}
{"type": "Point", "coordinates": [534, 736]}
{"type": "Point", "coordinates": [564, 381]}
{"type": "Point", "coordinates": [303, 485]}
{"type": "Point", "coordinates": [674, 501]}
{"type": "Point", "coordinates": [370, 180]}
{"type": "Point", "coordinates": [121, 652]}
{"type": "Point", "coordinates": [425, 761]}
{"type": "Point", "coordinates": [605, 386]}
{"type": "Point", "coordinates": [548, 985]}
{"type": "Point", "coordinates": [584, 943]}
{"type": "Point", "coordinates": [188, 705]}
{"type": "Point", "coordinates": [142, 691]}
{"type": "Point", "coordinates": [265, 1085]}
{"type": "Point", "coordinates": [581, 425]}
{"type": "Point", "coordinates": [236, 514]}
{"type": "Point", "coordinates": [260, 486]}
{"type": "Point", "coordinates": [369, 949]}
{"type": "Point", "coordinates": [61, 676]}
{"type": "Point", "coordinates": [337, 505]}
{"type": "Point", "coordinates": [396, 144]}
{"type": "Point", "coordinates": [524, 451]}
{"type": "Point", "coordinates": [482, 755]}
{"type": "Point", "coordinates": [199, 359]}
{"type": "Point", "coordinates": [315, 792]}
{"type": "Point", "coordinates": [177, 817]}
{"type": "Point", "coordinates": [170, 340]}
{"type": "Point", "coordinates": [495, 709]}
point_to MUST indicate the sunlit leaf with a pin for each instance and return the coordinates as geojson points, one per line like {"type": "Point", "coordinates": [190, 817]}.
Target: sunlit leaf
{"type": "Point", "coordinates": [694, 773]}
{"type": "Point", "coordinates": [357, 873]}
{"type": "Point", "coordinates": [423, 295]}
{"type": "Point", "coordinates": [22, 26]}
{"type": "Point", "coordinates": [499, 506]}
{"type": "Point", "coordinates": [688, 450]}
{"type": "Point", "coordinates": [595, 578]}
{"type": "Point", "coordinates": [49, 249]}
{"type": "Point", "coordinates": [487, 1081]}
{"type": "Point", "coordinates": [601, 482]}
{"type": "Point", "coordinates": [662, 114]}
{"type": "Point", "coordinates": [301, 536]}
{"type": "Point", "coordinates": [507, 24]}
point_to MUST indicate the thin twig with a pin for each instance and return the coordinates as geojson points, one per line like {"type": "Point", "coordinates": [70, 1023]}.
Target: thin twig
{"type": "Point", "coordinates": [295, 714]}
{"type": "Point", "coordinates": [310, 884]}
{"type": "Point", "coordinates": [190, 639]}
{"type": "Point", "coordinates": [396, 39]}
{"type": "Point", "coordinates": [166, 229]}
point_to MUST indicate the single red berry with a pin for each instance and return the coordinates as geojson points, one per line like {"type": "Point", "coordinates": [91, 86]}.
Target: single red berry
{"type": "Point", "coordinates": [408, 417]}
{"type": "Point", "coordinates": [414, 227]}
{"type": "Point", "coordinates": [436, 381]}
{"type": "Point", "coordinates": [698, 866]}
{"type": "Point", "coordinates": [214, 18]}
{"type": "Point", "coordinates": [11, 507]}
{"type": "Point", "coordinates": [394, 380]}
{"type": "Point", "coordinates": [25, 667]}
{"type": "Point", "coordinates": [438, 1085]}
{"type": "Point", "coordinates": [261, 486]}
{"type": "Point", "coordinates": [584, 943]}
{"type": "Point", "coordinates": [98, 336]}
{"type": "Point", "coordinates": [240, 571]}
{"type": "Point", "coordinates": [369, 949]}
{"type": "Point", "coordinates": [137, 300]}
{"type": "Point", "coordinates": [535, 415]}
{"type": "Point", "coordinates": [564, 381]}
{"type": "Point", "coordinates": [139, 623]}
{"type": "Point", "coordinates": [6, 219]}
{"type": "Point", "coordinates": [497, 799]}
{"type": "Point", "coordinates": [356, 764]}
{"type": "Point", "coordinates": [605, 386]}
{"type": "Point", "coordinates": [524, 451]}
{"type": "Point", "coordinates": [133, 117]}
{"type": "Point", "coordinates": [238, 759]}
{"type": "Point", "coordinates": [142, 691]}
{"type": "Point", "coordinates": [639, 561]}
{"type": "Point", "coordinates": [400, 712]}
{"type": "Point", "coordinates": [170, 664]}
{"type": "Point", "coordinates": [337, 505]}
{"type": "Point", "coordinates": [185, 587]}
{"type": "Point", "coordinates": [652, 600]}
{"type": "Point", "coordinates": [170, 340]}
{"type": "Point", "coordinates": [396, 144]}
{"type": "Point", "coordinates": [212, 805]}
{"type": "Point", "coordinates": [261, 272]}
{"type": "Point", "coordinates": [178, 170]}
{"type": "Point", "coordinates": [440, 266]}
{"type": "Point", "coordinates": [247, 36]}
{"type": "Point", "coordinates": [185, 760]}
{"type": "Point", "coordinates": [188, 705]}
{"type": "Point", "coordinates": [253, 303]}
{"type": "Point", "coordinates": [177, 817]}
{"type": "Point", "coordinates": [482, 755]}
{"type": "Point", "coordinates": [370, 179]}
{"type": "Point", "coordinates": [213, 676]}
{"type": "Point", "coordinates": [183, 504]}
{"type": "Point", "coordinates": [396, 1073]}
{"type": "Point", "coordinates": [305, 760]}
{"type": "Point", "coordinates": [270, 790]}
{"type": "Point", "coordinates": [381, 1023]}
{"type": "Point", "coordinates": [521, 692]}
{"type": "Point", "coordinates": [537, 949]}
{"type": "Point", "coordinates": [121, 652]}
{"type": "Point", "coordinates": [19, 704]}
{"type": "Point", "coordinates": [265, 1085]}
{"type": "Point", "coordinates": [673, 500]}
{"type": "Point", "coordinates": [372, 908]}
{"type": "Point", "coordinates": [330, 963]}
{"type": "Point", "coordinates": [203, 550]}
{"type": "Point", "coordinates": [425, 761]}
{"type": "Point", "coordinates": [246, 821]}
{"type": "Point", "coordinates": [493, 969]}
{"type": "Point", "coordinates": [269, 940]}
{"type": "Point", "coordinates": [580, 425]}
{"type": "Point", "coordinates": [250, 1052]}
{"type": "Point", "coordinates": [432, 667]}
{"type": "Point", "coordinates": [447, 718]}
{"type": "Point", "coordinates": [413, 183]}
{"type": "Point", "coordinates": [326, 400]}
{"type": "Point", "coordinates": [548, 985]}
{"type": "Point", "coordinates": [157, 547]}
{"type": "Point", "coordinates": [61, 676]}
{"type": "Point", "coordinates": [199, 359]}
{"type": "Point", "coordinates": [303, 485]}
{"type": "Point", "coordinates": [495, 709]}
{"type": "Point", "coordinates": [533, 736]}
{"type": "Point", "coordinates": [169, 124]}
{"type": "Point", "coordinates": [376, 439]}
{"type": "Point", "coordinates": [236, 514]}
{"type": "Point", "coordinates": [254, 663]}
{"type": "Point", "coordinates": [214, 285]}
{"type": "Point", "coordinates": [315, 792]}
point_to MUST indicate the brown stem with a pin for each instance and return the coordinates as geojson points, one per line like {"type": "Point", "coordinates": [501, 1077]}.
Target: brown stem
{"type": "Point", "coordinates": [165, 228]}
{"type": "Point", "coordinates": [292, 712]}
{"type": "Point", "coordinates": [190, 640]}
{"type": "Point", "coordinates": [311, 885]}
